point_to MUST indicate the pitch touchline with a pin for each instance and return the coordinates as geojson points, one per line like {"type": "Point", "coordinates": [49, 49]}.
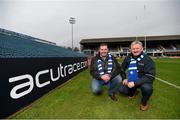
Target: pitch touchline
{"type": "Point", "coordinates": [165, 82]}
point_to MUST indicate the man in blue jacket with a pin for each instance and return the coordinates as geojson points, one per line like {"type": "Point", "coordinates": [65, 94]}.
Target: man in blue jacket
{"type": "Point", "coordinates": [141, 74]}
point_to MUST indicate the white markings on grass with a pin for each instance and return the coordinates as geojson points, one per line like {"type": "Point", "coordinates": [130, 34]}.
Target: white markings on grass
{"type": "Point", "coordinates": [164, 81]}
{"type": "Point", "coordinates": [168, 83]}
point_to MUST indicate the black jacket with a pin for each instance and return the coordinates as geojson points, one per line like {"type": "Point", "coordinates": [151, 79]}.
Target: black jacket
{"type": "Point", "coordinates": [94, 67]}
{"type": "Point", "coordinates": [146, 69]}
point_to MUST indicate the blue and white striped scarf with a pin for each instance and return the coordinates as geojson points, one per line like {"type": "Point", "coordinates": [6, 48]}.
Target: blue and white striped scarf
{"type": "Point", "coordinates": [100, 69]}
{"type": "Point", "coordinates": [132, 70]}
{"type": "Point", "coordinates": [110, 64]}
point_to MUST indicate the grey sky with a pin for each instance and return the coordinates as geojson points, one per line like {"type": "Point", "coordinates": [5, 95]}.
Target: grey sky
{"type": "Point", "coordinates": [49, 19]}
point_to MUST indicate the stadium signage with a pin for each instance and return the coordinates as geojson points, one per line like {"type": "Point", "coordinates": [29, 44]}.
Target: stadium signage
{"type": "Point", "coordinates": [30, 84]}
{"type": "Point", "coordinates": [24, 80]}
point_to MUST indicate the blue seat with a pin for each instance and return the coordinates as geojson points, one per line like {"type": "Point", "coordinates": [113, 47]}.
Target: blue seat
{"type": "Point", "coordinates": [14, 45]}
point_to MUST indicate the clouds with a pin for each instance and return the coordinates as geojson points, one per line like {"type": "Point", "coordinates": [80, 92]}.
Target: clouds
{"type": "Point", "coordinates": [94, 18]}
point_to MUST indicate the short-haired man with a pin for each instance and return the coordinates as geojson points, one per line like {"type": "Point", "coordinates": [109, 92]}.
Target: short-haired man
{"type": "Point", "coordinates": [141, 74]}
{"type": "Point", "coordinates": [105, 70]}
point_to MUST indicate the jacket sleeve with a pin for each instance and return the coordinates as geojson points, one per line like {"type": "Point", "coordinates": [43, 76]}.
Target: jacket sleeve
{"type": "Point", "coordinates": [124, 67]}
{"type": "Point", "coordinates": [93, 69]}
{"type": "Point", "coordinates": [149, 72]}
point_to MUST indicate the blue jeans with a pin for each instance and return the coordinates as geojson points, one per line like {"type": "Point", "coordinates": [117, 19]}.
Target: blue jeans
{"type": "Point", "coordinates": [113, 85]}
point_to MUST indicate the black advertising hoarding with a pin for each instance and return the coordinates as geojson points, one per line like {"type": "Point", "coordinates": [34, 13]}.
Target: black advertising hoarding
{"type": "Point", "coordinates": [23, 80]}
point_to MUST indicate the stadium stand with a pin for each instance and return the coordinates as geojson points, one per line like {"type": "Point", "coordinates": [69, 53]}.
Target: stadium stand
{"type": "Point", "coordinates": [168, 45]}
{"type": "Point", "coordinates": [14, 44]}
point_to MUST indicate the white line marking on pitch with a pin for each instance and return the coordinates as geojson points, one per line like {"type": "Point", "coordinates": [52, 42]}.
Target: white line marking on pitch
{"type": "Point", "coordinates": [164, 81]}
{"type": "Point", "coordinates": [168, 83]}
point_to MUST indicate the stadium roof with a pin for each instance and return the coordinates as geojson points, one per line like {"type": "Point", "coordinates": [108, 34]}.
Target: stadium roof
{"type": "Point", "coordinates": [129, 39]}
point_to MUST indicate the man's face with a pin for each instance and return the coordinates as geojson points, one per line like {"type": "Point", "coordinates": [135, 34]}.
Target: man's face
{"type": "Point", "coordinates": [103, 50]}
{"type": "Point", "coordinates": [136, 49]}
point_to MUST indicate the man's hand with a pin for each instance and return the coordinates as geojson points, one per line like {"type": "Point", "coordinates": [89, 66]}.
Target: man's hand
{"type": "Point", "coordinates": [105, 78]}
{"type": "Point", "coordinates": [131, 84]}
{"type": "Point", "coordinates": [125, 81]}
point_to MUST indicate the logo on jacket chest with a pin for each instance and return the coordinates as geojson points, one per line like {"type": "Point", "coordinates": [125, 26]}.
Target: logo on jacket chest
{"type": "Point", "coordinates": [140, 64]}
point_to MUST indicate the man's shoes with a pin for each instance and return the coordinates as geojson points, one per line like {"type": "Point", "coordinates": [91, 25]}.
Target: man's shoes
{"type": "Point", "coordinates": [135, 94]}
{"type": "Point", "coordinates": [113, 97]}
{"type": "Point", "coordinates": [144, 107]}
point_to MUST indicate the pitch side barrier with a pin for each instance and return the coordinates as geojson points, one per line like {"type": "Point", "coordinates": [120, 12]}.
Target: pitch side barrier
{"type": "Point", "coordinates": [23, 80]}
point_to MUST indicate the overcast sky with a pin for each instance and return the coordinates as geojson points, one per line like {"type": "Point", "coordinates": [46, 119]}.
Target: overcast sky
{"type": "Point", "coordinates": [49, 19]}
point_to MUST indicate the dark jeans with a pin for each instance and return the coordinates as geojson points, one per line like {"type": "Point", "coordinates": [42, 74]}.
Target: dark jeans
{"type": "Point", "coordinates": [146, 90]}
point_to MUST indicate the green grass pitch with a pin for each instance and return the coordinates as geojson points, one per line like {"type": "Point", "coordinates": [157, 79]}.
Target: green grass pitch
{"type": "Point", "coordinates": [75, 100]}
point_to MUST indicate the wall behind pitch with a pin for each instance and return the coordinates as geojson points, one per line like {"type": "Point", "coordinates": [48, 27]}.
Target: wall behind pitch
{"type": "Point", "coordinates": [23, 80]}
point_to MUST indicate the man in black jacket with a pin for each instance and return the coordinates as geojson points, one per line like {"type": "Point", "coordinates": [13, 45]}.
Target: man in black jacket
{"type": "Point", "coordinates": [141, 74]}
{"type": "Point", "coordinates": [105, 70]}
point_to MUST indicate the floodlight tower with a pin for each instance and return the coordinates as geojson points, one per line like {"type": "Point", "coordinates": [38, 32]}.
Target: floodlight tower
{"type": "Point", "coordinates": [72, 21]}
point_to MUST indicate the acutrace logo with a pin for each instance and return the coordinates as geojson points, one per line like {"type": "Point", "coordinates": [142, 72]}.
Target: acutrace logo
{"type": "Point", "coordinates": [35, 81]}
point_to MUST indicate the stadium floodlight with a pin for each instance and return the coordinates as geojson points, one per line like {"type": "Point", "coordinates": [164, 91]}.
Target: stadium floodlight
{"type": "Point", "coordinates": [72, 21]}
{"type": "Point", "coordinates": [145, 43]}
